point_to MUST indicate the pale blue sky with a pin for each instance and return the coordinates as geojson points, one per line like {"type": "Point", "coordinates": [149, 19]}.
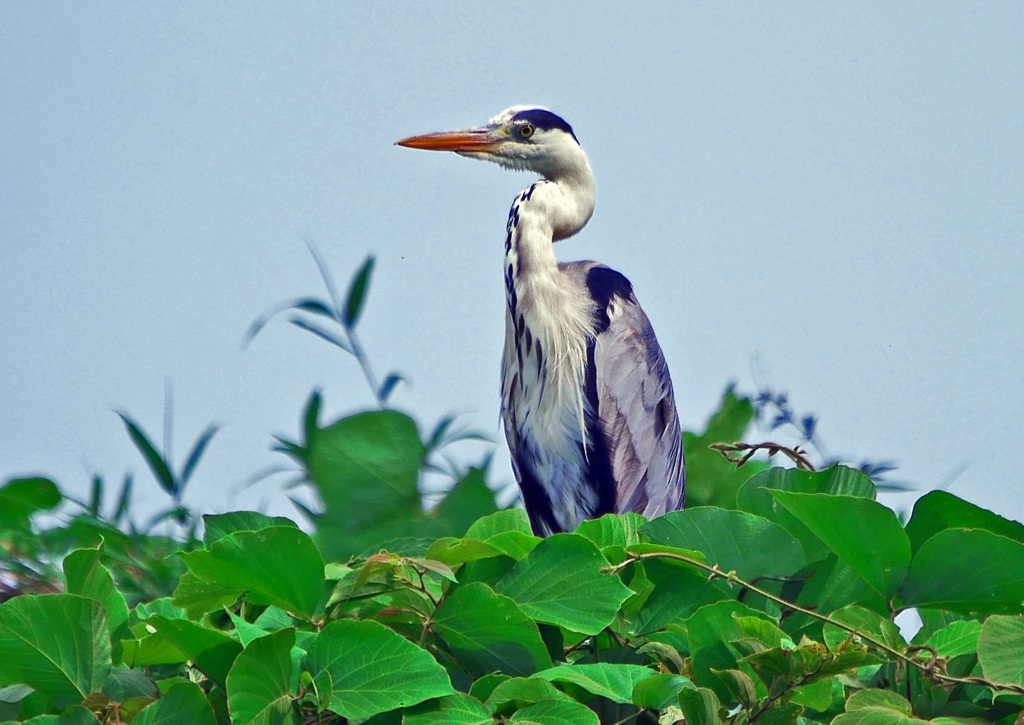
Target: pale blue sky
{"type": "Point", "coordinates": [829, 192]}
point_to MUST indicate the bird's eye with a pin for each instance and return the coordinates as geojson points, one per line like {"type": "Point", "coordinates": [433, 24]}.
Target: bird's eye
{"type": "Point", "coordinates": [526, 130]}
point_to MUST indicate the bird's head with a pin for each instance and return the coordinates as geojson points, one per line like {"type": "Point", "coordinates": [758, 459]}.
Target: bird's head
{"type": "Point", "coordinates": [525, 138]}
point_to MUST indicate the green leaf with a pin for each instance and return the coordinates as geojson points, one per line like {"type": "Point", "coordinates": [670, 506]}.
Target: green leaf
{"type": "Point", "coordinates": [968, 571]}
{"type": "Point", "coordinates": [258, 683]}
{"type": "Point", "coordinates": [560, 582]}
{"type": "Point", "coordinates": [517, 692]}
{"type": "Point", "coordinates": [197, 597]}
{"type": "Point", "coordinates": [22, 497]}
{"type": "Point", "coordinates": [373, 669]}
{"type": "Point", "coordinates": [124, 684]}
{"type": "Point", "coordinates": [1000, 648]}
{"type": "Point", "coordinates": [71, 716]}
{"type": "Point", "coordinates": [659, 690]}
{"type": "Point", "coordinates": [736, 541]}
{"type": "Point", "coordinates": [959, 638]}
{"type": "Point", "coordinates": [755, 497]}
{"type": "Point", "coordinates": [875, 716]}
{"type": "Point", "coordinates": [182, 703]}
{"type": "Point", "coordinates": [710, 629]}
{"type": "Point", "coordinates": [817, 695]}
{"type": "Point", "coordinates": [555, 712]}
{"type": "Point", "coordinates": [866, 621]}
{"type": "Point", "coordinates": [498, 523]}
{"type": "Point", "coordinates": [878, 698]}
{"type": "Point", "coordinates": [58, 644]}
{"type": "Point", "coordinates": [488, 632]}
{"type": "Point", "coordinates": [217, 526]}
{"type": "Point", "coordinates": [278, 565]}
{"type": "Point", "coordinates": [455, 552]}
{"type": "Point", "coordinates": [613, 530]}
{"type": "Point", "coordinates": [357, 292]}
{"type": "Point", "coordinates": [710, 479]}
{"type": "Point", "coordinates": [457, 709]}
{"type": "Point", "coordinates": [701, 706]}
{"type": "Point", "coordinates": [612, 681]}
{"type": "Point", "coordinates": [464, 504]}
{"type": "Point", "coordinates": [365, 468]}
{"type": "Point", "coordinates": [881, 559]}
{"type": "Point", "coordinates": [212, 651]}
{"type": "Point", "coordinates": [87, 577]}
{"type": "Point", "coordinates": [939, 510]}
{"type": "Point", "coordinates": [157, 465]}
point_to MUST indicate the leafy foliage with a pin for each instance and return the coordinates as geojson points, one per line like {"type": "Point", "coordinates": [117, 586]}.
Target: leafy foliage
{"type": "Point", "coordinates": [772, 599]}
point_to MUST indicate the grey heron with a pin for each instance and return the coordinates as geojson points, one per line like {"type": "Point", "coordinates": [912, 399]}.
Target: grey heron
{"type": "Point", "coordinates": [586, 398]}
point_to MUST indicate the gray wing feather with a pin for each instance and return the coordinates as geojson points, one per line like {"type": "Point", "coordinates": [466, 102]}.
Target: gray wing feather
{"type": "Point", "coordinates": [637, 409]}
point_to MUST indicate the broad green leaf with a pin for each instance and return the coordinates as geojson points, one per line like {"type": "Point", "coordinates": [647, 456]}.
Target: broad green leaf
{"type": "Point", "coordinates": [211, 650]}
{"type": "Point", "coordinates": [183, 703]}
{"type": "Point", "coordinates": [72, 716]}
{"type": "Point", "coordinates": [124, 684]}
{"type": "Point", "coordinates": [154, 649]}
{"type": "Point", "coordinates": [701, 706]}
{"type": "Point", "coordinates": [279, 565]}
{"type": "Point", "coordinates": [365, 468]}
{"type": "Point", "coordinates": [374, 669]}
{"type": "Point", "coordinates": [959, 638]}
{"type": "Point", "coordinates": [197, 597]}
{"type": "Point", "coordinates": [940, 510]}
{"type": "Point", "coordinates": [555, 712]}
{"type": "Point", "coordinates": [561, 583]}
{"type": "Point", "coordinates": [710, 479]}
{"type": "Point", "coordinates": [455, 552]}
{"type": "Point", "coordinates": [817, 695]}
{"type": "Point", "coordinates": [220, 525]}
{"type": "Point", "coordinates": [87, 577]}
{"type": "Point", "coordinates": [710, 629]}
{"type": "Point", "coordinates": [487, 632]}
{"type": "Point", "coordinates": [613, 530]}
{"type": "Point", "coordinates": [258, 683]}
{"type": "Point", "coordinates": [457, 709]}
{"type": "Point", "coordinates": [659, 690]}
{"type": "Point", "coordinates": [514, 544]}
{"type": "Point", "coordinates": [734, 540]}
{"type": "Point", "coordinates": [464, 504]}
{"type": "Point", "coordinates": [22, 497]}
{"type": "Point", "coordinates": [865, 621]}
{"type": "Point", "coordinates": [864, 535]}
{"type": "Point", "coordinates": [678, 593]}
{"type": "Point", "coordinates": [58, 644]}
{"type": "Point", "coordinates": [1001, 649]}
{"type": "Point", "coordinates": [967, 570]}
{"type": "Point", "coordinates": [740, 686]}
{"type": "Point", "coordinates": [878, 698]}
{"type": "Point", "coordinates": [754, 497]}
{"type": "Point", "coordinates": [612, 681]}
{"type": "Point", "coordinates": [875, 716]}
{"type": "Point", "coordinates": [498, 523]}
{"type": "Point", "coordinates": [518, 692]}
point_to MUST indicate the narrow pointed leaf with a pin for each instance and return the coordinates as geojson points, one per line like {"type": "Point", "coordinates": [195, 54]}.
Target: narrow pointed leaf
{"type": "Point", "coordinates": [561, 582]}
{"type": "Point", "coordinates": [373, 669]}
{"type": "Point", "coordinates": [357, 292]}
{"type": "Point", "coordinates": [258, 684]}
{"type": "Point", "coordinates": [182, 703]}
{"type": "Point", "coordinates": [58, 644]}
{"type": "Point", "coordinates": [322, 333]}
{"type": "Point", "coordinates": [197, 452]}
{"type": "Point", "coordinates": [155, 461]}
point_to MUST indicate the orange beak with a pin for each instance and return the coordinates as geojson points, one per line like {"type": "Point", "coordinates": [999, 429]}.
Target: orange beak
{"type": "Point", "coordinates": [478, 140]}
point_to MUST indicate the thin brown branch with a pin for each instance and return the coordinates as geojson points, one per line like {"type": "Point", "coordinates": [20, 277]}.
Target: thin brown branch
{"type": "Point", "coordinates": [749, 449]}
